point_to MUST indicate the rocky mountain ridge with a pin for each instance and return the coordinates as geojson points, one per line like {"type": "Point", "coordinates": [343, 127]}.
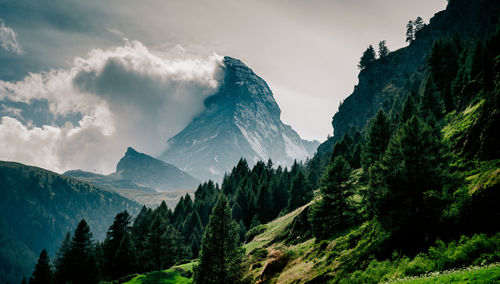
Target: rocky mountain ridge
{"type": "Point", "coordinates": [241, 120]}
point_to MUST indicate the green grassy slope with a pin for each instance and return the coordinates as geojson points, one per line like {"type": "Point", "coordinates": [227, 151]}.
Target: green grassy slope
{"type": "Point", "coordinates": [182, 274]}
{"type": "Point", "coordinates": [488, 274]}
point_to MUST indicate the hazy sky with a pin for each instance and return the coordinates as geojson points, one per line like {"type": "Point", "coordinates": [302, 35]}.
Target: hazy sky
{"type": "Point", "coordinates": [307, 51]}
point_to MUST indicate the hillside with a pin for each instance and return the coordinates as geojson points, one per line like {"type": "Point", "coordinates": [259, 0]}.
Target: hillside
{"type": "Point", "coordinates": [38, 207]}
{"type": "Point", "coordinates": [388, 80]}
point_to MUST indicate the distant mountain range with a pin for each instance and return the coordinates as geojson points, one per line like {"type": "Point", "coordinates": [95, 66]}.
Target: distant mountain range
{"type": "Point", "coordinates": [143, 178]}
{"type": "Point", "coordinates": [38, 207]}
{"type": "Point", "coordinates": [147, 171]}
{"type": "Point", "coordinates": [241, 120]}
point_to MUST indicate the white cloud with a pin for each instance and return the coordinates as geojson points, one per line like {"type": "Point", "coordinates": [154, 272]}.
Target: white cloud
{"type": "Point", "coordinates": [127, 96]}
{"type": "Point", "coordinates": [8, 39]}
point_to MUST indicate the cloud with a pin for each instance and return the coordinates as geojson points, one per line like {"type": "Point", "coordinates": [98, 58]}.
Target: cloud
{"type": "Point", "coordinates": [125, 96]}
{"type": "Point", "coordinates": [8, 39]}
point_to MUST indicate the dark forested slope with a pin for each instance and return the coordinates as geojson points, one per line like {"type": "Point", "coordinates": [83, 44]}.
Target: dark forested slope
{"type": "Point", "coordinates": [38, 207]}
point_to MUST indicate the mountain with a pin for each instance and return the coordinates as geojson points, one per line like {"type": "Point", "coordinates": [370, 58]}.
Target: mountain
{"type": "Point", "coordinates": [241, 120]}
{"type": "Point", "coordinates": [400, 72]}
{"type": "Point", "coordinates": [144, 179]}
{"type": "Point", "coordinates": [147, 171]}
{"type": "Point", "coordinates": [140, 173]}
{"type": "Point", "coordinates": [38, 207]}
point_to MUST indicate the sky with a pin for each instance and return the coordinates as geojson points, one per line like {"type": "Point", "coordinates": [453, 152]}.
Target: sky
{"type": "Point", "coordinates": [85, 79]}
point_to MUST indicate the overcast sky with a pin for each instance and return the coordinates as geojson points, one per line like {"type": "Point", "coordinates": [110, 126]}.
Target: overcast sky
{"type": "Point", "coordinates": [307, 51]}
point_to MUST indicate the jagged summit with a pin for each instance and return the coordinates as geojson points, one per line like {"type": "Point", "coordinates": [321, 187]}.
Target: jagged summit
{"type": "Point", "coordinates": [147, 171]}
{"type": "Point", "coordinates": [140, 173]}
{"type": "Point", "coordinates": [131, 151]}
{"type": "Point", "coordinates": [241, 120]}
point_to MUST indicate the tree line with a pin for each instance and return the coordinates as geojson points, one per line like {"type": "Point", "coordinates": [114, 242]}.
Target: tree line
{"type": "Point", "coordinates": [401, 173]}
{"type": "Point", "coordinates": [159, 238]}
{"type": "Point", "coordinates": [369, 55]}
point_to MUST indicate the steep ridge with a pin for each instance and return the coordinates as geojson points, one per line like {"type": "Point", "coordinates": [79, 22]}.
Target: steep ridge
{"type": "Point", "coordinates": [401, 71]}
{"type": "Point", "coordinates": [144, 179]}
{"type": "Point", "coordinates": [147, 171]}
{"type": "Point", "coordinates": [241, 120]}
{"type": "Point", "coordinates": [140, 172]}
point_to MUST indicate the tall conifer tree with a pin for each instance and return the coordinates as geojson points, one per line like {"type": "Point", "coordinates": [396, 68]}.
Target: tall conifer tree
{"type": "Point", "coordinates": [378, 136]}
{"type": "Point", "coordinates": [83, 262]}
{"type": "Point", "coordinates": [331, 213]}
{"type": "Point", "coordinates": [43, 273]}
{"type": "Point", "coordinates": [221, 256]}
{"type": "Point", "coordinates": [301, 191]}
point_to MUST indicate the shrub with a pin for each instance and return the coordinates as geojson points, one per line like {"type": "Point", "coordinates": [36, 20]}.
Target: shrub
{"type": "Point", "coordinates": [259, 253]}
{"type": "Point", "coordinates": [254, 232]}
{"type": "Point", "coordinates": [475, 250]}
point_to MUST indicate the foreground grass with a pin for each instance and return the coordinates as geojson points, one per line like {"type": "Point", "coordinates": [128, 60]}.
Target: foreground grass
{"type": "Point", "coordinates": [488, 274]}
{"type": "Point", "coordinates": [182, 274]}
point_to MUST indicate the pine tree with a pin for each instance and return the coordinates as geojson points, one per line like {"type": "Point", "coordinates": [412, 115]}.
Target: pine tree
{"type": "Point", "coordinates": [355, 160]}
{"type": "Point", "coordinates": [407, 183]}
{"type": "Point", "coordinates": [395, 113]}
{"type": "Point", "coordinates": [163, 245]}
{"type": "Point", "coordinates": [255, 222]}
{"type": "Point", "coordinates": [188, 204]}
{"type": "Point", "coordinates": [419, 25]}
{"type": "Point", "coordinates": [236, 211]}
{"type": "Point", "coordinates": [279, 192]}
{"type": "Point", "coordinates": [43, 270]}
{"type": "Point", "coordinates": [242, 230]}
{"type": "Point", "coordinates": [62, 261]}
{"type": "Point", "coordinates": [83, 263]}
{"type": "Point", "coordinates": [430, 100]}
{"type": "Point", "coordinates": [314, 167]}
{"type": "Point", "coordinates": [125, 258]}
{"type": "Point", "coordinates": [264, 204]}
{"type": "Point", "coordinates": [194, 246]}
{"type": "Point", "coordinates": [343, 147]}
{"type": "Point", "coordinates": [221, 256]}
{"type": "Point", "coordinates": [367, 58]}
{"type": "Point", "coordinates": [409, 108]}
{"type": "Point", "coordinates": [383, 51]}
{"type": "Point", "coordinates": [164, 212]}
{"type": "Point", "coordinates": [140, 231]}
{"type": "Point", "coordinates": [99, 256]}
{"type": "Point", "coordinates": [193, 222]}
{"type": "Point", "coordinates": [410, 32]}
{"type": "Point", "coordinates": [155, 244]}
{"type": "Point", "coordinates": [331, 214]}
{"type": "Point", "coordinates": [301, 191]}
{"type": "Point", "coordinates": [379, 133]}
{"type": "Point", "coordinates": [443, 68]}
{"type": "Point", "coordinates": [249, 207]}
{"type": "Point", "coordinates": [179, 212]}
{"type": "Point", "coordinates": [114, 237]}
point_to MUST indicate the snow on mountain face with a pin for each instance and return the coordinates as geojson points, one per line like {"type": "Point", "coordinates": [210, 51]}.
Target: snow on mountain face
{"type": "Point", "coordinates": [241, 120]}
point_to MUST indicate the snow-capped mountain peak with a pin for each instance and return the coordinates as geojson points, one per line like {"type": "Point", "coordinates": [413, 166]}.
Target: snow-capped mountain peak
{"type": "Point", "coordinates": [241, 120]}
